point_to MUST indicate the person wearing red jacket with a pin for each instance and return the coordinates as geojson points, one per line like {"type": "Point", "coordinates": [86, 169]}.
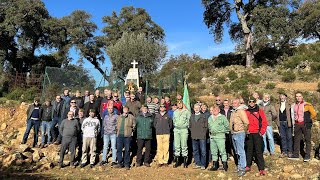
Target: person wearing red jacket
{"type": "Point", "coordinates": [257, 127]}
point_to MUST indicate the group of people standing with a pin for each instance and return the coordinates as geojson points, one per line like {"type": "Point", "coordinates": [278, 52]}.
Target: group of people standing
{"type": "Point", "coordinates": [243, 130]}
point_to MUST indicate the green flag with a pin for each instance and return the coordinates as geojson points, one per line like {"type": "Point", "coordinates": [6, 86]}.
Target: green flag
{"type": "Point", "coordinates": [186, 100]}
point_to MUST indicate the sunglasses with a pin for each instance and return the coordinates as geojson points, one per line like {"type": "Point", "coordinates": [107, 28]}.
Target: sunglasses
{"type": "Point", "coordinates": [251, 101]}
{"type": "Point", "coordinates": [73, 102]}
{"type": "Point", "coordinates": [115, 96]}
{"type": "Point", "coordinates": [218, 100]}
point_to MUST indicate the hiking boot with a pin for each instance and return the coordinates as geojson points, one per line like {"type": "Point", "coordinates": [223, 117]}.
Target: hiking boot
{"type": "Point", "coordinates": [262, 172]}
{"type": "Point", "coordinates": [127, 167]}
{"type": "Point", "coordinates": [185, 162]}
{"type": "Point", "coordinates": [225, 165]}
{"type": "Point", "coordinates": [147, 165]}
{"type": "Point", "coordinates": [61, 165]}
{"type": "Point", "coordinates": [283, 155]}
{"type": "Point", "coordinates": [241, 173]}
{"type": "Point", "coordinates": [177, 163]}
{"type": "Point", "coordinates": [113, 164]}
{"type": "Point", "coordinates": [118, 165]}
{"type": "Point", "coordinates": [82, 165]}
{"type": "Point", "coordinates": [160, 165]}
{"type": "Point", "coordinates": [196, 166]}
{"type": "Point", "coordinates": [102, 163]}
{"type": "Point", "coordinates": [203, 168]}
{"type": "Point", "coordinates": [306, 159]}
{"type": "Point", "coordinates": [91, 165]}
{"type": "Point", "coordinates": [215, 166]}
{"type": "Point", "coordinates": [293, 157]}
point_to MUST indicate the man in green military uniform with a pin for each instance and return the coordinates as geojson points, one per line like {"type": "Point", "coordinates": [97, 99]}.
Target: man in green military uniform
{"type": "Point", "coordinates": [181, 124]}
{"type": "Point", "coordinates": [218, 126]}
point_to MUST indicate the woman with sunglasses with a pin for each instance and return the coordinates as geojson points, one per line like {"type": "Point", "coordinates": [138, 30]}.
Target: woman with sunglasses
{"type": "Point", "coordinates": [256, 129]}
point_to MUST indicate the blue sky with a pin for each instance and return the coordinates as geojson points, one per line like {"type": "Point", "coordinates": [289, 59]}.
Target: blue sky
{"type": "Point", "coordinates": [182, 21]}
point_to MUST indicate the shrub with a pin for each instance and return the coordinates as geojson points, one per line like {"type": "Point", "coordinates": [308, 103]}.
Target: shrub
{"type": "Point", "coordinates": [288, 77]}
{"type": "Point", "coordinates": [251, 78]}
{"type": "Point", "coordinates": [221, 79]}
{"type": "Point", "coordinates": [239, 85]}
{"type": "Point", "coordinates": [216, 90]}
{"type": "Point", "coordinates": [270, 85]}
{"type": "Point", "coordinates": [315, 68]}
{"type": "Point", "coordinates": [232, 75]}
{"type": "Point", "coordinates": [226, 88]}
{"type": "Point", "coordinates": [281, 91]}
{"type": "Point", "coordinates": [23, 94]}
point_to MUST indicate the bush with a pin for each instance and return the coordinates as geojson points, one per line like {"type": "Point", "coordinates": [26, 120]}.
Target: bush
{"type": "Point", "coordinates": [23, 94]}
{"type": "Point", "coordinates": [232, 75]}
{"type": "Point", "coordinates": [216, 90]}
{"type": "Point", "coordinates": [221, 79]}
{"type": "Point", "coordinates": [288, 77]}
{"type": "Point", "coordinates": [226, 88]}
{"type": "Point", "coordinates": [281, 91]}
{"type": "Point", "coordinates": [239, 85]}
{"type": "Point", "coordinates": [270, 85]}
{"type": "Point", "coordinates": [251, 78]}
{"type": "Point", "coordinates": [315, 68]}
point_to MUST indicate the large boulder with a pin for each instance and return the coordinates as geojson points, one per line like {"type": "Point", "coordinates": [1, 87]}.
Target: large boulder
{"type": "Point", "coordinates": [23, 147]}
{"type": "Point", "coordinates": [8, 161]}
{"type": "Point", "coordinates": [37, 155]}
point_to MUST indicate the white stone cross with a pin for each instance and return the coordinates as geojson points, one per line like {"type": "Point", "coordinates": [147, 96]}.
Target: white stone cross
{"type": "Point", "coordinates": [134, 63]}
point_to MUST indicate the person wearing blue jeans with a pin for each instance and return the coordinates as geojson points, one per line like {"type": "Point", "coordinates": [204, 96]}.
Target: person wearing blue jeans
{"type": "Point", "coordinates": [284, 124]}
{"type": "Point", "coordinates": [34, 113]}
{"type": "Point", "coordinates": [46, 123]}
{"type": "Point", "coordinates": [198, 125]}
{"type": "Point", "coordinates": [271, 115]}
{"type": "Point", "coordinates": [109, 134]}
{"type": "Point", "coordinates": [58, 107]}
{"type": "Point", "coordinates": [238, 125]}
{"type": "Point", "coordinates": [269, 135]}
{"type": "Point", "coordinates": [125, 125]}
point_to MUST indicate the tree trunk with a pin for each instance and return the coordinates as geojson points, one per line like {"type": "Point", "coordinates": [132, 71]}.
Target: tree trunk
{"type": "Point", "coordinates": [249, 49]}
{"type": "Point", "coordinates": [248, 39]}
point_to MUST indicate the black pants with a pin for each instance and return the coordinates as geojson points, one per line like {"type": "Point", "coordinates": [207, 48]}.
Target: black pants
{"type": "Point", "coordinates": [141, 144]}
{"type": "Point", "coordinates": [300, 129]}
{"type": "Point", "coordinates": [255, 144]}
{"type": "Point", "coordinates": [68, 142]}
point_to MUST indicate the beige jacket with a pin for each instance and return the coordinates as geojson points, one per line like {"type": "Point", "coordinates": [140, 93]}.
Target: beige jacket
{"type": "Point", "coordinates": [288, 113]}
{"type": "Point", "coordinates": [238, 121]}
{"type": "Point", "coordinates": [129, 125]}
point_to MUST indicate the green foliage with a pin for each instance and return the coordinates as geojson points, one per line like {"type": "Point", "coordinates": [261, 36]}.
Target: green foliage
{"type": "Point", "coordinates": [216, 90]}
{"type": "Point", "coordinates": [221, 79]}
{"type": "Point", "coordinates": [309, 14]}
{"type": "Point", "coordinates": [251, 78]}
{"type": "Point", "coordinates": [301, 53]}
{"type": "Point", "coordinates": [194, 78]}
{"type": "Point", "coordinates": [270, 85]}
{"type": "Point", "coordinates": [288, 77]}
{"type": "Point", "coordinates": [227, 89]}
{"type": "Point", "coordinates": [223, 60]}
{"type": "Point", "coordinates": [315, 68]}
{"type": "Point", "coordinates": [148, 53]}
{"type": "Point", "coordinates": [232, 75]}
{"type": "Point", "coordinates": [239, 85]}
{"type": "Point", "coordinates": [281, 91]}
{"type": "Point", "coordinates": [131, 20]}
{"type": "Point", "coordinates": [23, 94]}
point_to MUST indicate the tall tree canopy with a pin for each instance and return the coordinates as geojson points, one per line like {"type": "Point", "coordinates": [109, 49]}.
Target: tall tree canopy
{"type": "Point", "coordinates": [148, 53]}
{"type": "Point", "coordinates": [259, 22]}
{"type": "Point", "coordinates": [130, 19]}
{"type": "Point", "coordinates": [309, 13]}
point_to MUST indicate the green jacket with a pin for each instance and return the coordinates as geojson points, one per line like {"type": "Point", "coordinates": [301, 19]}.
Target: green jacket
{"type": "Point", "coordinates": [144, 126]}
{"type": "Point", "coordinates": [181, 119]}
{"type": "Point", "coordinates": [218, 126]}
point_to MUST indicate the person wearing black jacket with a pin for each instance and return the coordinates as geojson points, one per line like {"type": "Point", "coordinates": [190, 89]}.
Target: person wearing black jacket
{"type": "Point", "coordinates": [163, 126]}
{"type": "Point", "coordinates": [227, 110]}
{"type": "Point", "coordinates": [198, 126]}
{"type": "Point", "coordinates": [46, 123]}
{"type": "Point", "coordinates": [34, 113]}
{"type": "Point", "coordinates": [91, 104]}
{"type": "Point", "coordinates": [79, 99]}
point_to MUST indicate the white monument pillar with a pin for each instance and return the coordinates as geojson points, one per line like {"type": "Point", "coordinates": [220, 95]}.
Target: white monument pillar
{"type": "Point", "coordinates": [133, 74]}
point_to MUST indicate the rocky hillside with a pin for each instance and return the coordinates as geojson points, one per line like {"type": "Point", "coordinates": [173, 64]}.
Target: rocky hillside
{"type": "Point", "coordinates": [23, 162]}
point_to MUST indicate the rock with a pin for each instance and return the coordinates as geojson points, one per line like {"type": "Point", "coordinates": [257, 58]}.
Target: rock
{"type": "Point", "coordinates": [314, 176]}
{"type": "Point", "coordinates": [206, 176]}
{"type": "Point", "coordinates": [37, 155]}
{"type": "Point", "coordinates": [296, 176]}
{"type": "Point", "coordinates": [28, 155]}
{"type": "Point", "coordinates": [19, 162]}
{"type": "Point", "coordinates": [3, 126]}
{"type": "Point", "coordinates": [11, 158]}
{"type": "Point", "coordinates": [280, 161]}
{"type": "Point", "coordinates": [23, 147]}
{"type": "Point", "coordinates": [288, 168]}
{"type": "Point", "coordinates": [46, 166]}
{"type": "Point", "coordinates": [284, 176]}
